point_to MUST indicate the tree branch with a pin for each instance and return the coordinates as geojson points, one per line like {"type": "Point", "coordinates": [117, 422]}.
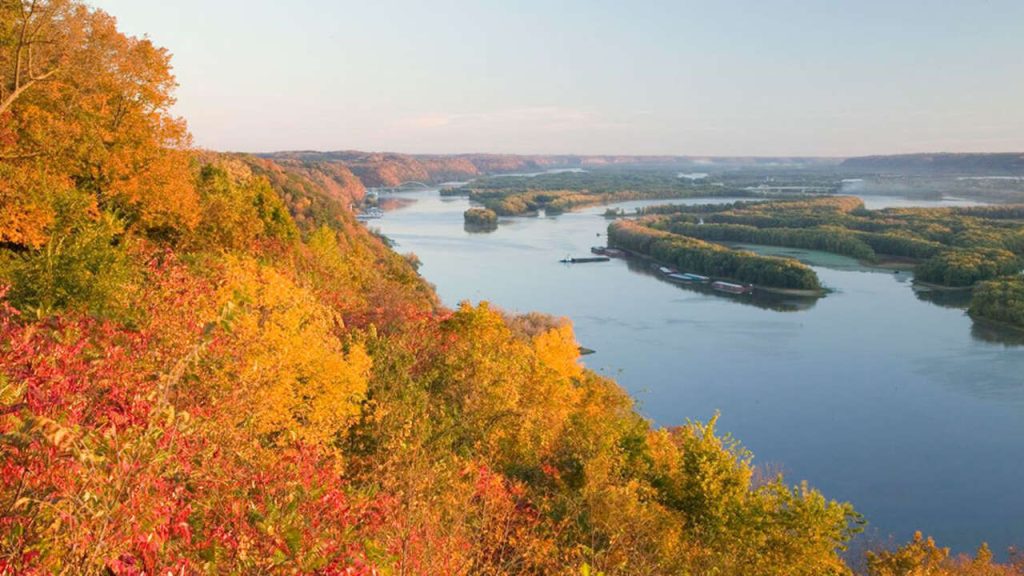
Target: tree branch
{"type": "Point", "coordinates": [21, 156]}
{"type": "Point", "coordinates": [24, 57]}
{"type": "Point", "coordinates": [21, 89]}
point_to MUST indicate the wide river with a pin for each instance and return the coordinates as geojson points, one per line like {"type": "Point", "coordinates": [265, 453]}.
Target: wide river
{"type": "Point", "coordinates": [876, 394]}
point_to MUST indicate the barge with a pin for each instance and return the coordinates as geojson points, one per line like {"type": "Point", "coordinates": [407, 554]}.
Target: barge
{"type": "Point", "coordinates": [732, 288]}
{"type": "Point", "coordinates": [584, 260]}
{"type": "Point", "coordinates": [688, 278]}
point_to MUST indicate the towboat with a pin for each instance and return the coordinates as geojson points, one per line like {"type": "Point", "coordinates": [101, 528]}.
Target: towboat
{"type": "Point", "coordinates": [604, 251]}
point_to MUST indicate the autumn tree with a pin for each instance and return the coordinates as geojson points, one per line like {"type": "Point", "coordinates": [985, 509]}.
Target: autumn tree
{"type": "Point", "coordinates": [87, 107]}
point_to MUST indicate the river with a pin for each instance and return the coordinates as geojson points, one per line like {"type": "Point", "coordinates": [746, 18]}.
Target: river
{"type": "Point", "coordinates": [876, 394]}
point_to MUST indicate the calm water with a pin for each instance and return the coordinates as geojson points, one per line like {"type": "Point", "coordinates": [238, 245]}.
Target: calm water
{"type": "Point", "coordinates": [876, 394]}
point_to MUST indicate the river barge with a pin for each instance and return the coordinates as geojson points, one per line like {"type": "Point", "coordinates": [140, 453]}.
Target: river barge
{"type": "Point", "coordinates": [732, 288]}
{"type": "Point", "coordinates": [584, 260]}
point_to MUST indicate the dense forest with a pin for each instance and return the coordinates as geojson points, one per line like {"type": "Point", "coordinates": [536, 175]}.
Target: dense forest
{"type": "Point", "coordinates": [706, 258]}
{"type": "Point", "coordinates": [949, 247]}
{"type": "Point", "coordinates": [207, 366]}
{"type": "Point", "coordinates": [1000, 300]}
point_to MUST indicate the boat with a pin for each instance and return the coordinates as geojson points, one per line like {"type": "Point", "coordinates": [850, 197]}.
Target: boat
{"type": "Point", "coordinates": [687, 278]}
{"type": "Point", "coordinates": [675, 277]}
{"type": "Point", "coordinates": [604, 251]}
{"type": "Point", "coordinates": [584, 260]}
{"type": "Point", "coordinates": [696, 277]}
{"type": "Point", "coordinates": [732, 288]}
{"type": "Point", "coordinates": [666, 270]}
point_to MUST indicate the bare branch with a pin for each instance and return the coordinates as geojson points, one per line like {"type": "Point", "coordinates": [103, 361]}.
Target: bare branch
{"type": "Point", "coordinates": [21, 156]}
{"type": "Point", "coordinates": [25, 75]}
{"type": "Point", "coordinates": [21, 89]}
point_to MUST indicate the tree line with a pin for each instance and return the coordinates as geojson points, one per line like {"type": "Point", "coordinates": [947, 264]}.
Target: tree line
{"type": "Point", "coordinates": [705, 258]}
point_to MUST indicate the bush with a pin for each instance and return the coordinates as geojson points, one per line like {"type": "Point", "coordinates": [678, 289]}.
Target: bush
{"type": "Point", "coordinates": [82, 265]}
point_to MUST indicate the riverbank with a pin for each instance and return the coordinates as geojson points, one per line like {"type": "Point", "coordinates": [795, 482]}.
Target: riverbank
{"type": "Point", "coordinates": [942, 287]}
{"type": "Point", "coordinates": [819, 293]}
{"type": "Point", "coordinates": [818, 387]}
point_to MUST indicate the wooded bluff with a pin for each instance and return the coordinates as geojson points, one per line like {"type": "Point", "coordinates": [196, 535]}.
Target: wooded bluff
{"type": "Point", "coordinates": [208, 366]}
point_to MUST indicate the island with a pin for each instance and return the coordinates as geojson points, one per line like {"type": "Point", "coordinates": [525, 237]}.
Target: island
{"type": "Point", "coordinates": [480, 219]}
{"type": "Point", "coordinates": [947, 248]}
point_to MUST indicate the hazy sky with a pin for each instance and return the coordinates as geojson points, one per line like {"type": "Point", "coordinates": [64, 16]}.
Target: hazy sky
{"type": "Point", "coordinates": [708, 77]}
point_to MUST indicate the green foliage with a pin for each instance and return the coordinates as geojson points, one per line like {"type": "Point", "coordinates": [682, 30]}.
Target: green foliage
{"type": "Point", "coordinates": [83, 264]}
{"type": "Point", "coordinates": [959, 247]}
{"type": "Point", "coordinates": [709, 259]}
{"type": "Point", "coordinates": [828, 240]}
{"type": "Point", "coordinates": [958, 267]}
{"type": "Point", "coordinates": [236, 213]}
{"type": "Point", "coordinates": [1001, 300]}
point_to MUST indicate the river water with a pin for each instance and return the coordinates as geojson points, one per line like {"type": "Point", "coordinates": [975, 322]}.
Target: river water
{"type": "Point", "coordinates": [876, 394]}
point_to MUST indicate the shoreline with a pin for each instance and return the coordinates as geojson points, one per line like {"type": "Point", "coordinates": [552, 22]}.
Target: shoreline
{"type": "Point", "coordinates": [941, 287]}
{"type": "Point", "coordinates": [998, 324]}
{"type": "Point", "coordinates": [819, 293]}
{"type": "Point", "coordinates": [892, 263]}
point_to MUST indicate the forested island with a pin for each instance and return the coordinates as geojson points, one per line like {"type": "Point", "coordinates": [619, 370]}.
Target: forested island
{"type": "Point", "coordinates": [707, 258]}
{"type": "Point", "coordinates": [946, 247]}
{"type": "Point", "coordinates": [564, 191]}
{"type": "Point", "coordinates": [480, 219]}
{"type": "Point", "coordinates": [208, 366]}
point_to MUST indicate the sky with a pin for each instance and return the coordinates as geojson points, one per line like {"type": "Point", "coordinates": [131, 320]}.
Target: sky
{"type": "Point", "coordinates": [680, 77]}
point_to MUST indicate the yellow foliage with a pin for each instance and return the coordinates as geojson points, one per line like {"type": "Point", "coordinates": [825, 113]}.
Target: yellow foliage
{"type": "Point", "coordinates": [295, 373]}
{"type": "Point", "coordinates": [922, 557]}
{"type": "Point", "coordinates": [557, 349]}
{"type": "Point", "coordinates": [516, 398]}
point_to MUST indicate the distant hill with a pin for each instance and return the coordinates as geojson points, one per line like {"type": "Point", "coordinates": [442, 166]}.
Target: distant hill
{"type": "Point", "coordinates": [376, 169]}
{"type": "Point", "coordinates": [987, 164]}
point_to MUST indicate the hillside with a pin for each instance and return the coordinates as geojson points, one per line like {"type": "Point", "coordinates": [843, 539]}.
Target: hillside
{"type": "Point", "coordinates": [1008, 164]}
{"type": "Point", "coordinates": [379, 169]}
{"type": "Point", "coordinates": [207, 366]}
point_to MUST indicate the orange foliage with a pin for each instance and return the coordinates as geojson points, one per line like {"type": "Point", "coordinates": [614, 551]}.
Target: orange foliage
{"type": "Point", "coordinates": [99, 118]}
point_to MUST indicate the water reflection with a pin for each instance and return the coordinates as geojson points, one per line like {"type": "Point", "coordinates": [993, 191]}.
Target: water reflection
{"type": "Point", "coordinates": [479, 228]}
{"type": "Point", "coordinates": [960, 299]}
{"type": "Point", "coordinates": [997, 333]}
